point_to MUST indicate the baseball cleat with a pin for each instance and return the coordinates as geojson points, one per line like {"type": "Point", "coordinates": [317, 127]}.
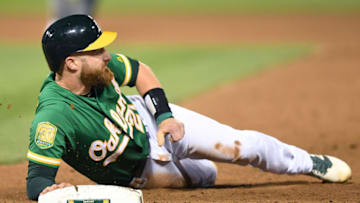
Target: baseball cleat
{"type": "Point", "coordinates": [330, 169]}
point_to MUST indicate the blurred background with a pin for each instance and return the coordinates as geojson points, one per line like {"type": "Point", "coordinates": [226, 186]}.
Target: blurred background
{"type": "Point", "coordinates": [193, 46]}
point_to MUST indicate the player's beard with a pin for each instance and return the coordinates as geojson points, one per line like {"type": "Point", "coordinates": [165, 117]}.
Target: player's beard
{"type": "Point", "coordinates": [96, 77]}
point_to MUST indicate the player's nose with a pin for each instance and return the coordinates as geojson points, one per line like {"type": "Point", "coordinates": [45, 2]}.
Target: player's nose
{"type": "Point", "coordinates": [106, 56]}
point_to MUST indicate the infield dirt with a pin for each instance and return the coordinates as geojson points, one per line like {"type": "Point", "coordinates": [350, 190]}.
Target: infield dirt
{"type": "Point", "coordinates": [312, 102]}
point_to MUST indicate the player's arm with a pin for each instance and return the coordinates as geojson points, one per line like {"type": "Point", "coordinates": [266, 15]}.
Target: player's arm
{"type": "Point", "coordinates": [150, 89]}
{"type": "Point", "coordinates": [41, 179]}
{"type": "Point", "coordinates": [146, 79]}
{"type": "Point", "coordinates": [130, 72]}
{"type": "Point", "coordinates": [46, 147]}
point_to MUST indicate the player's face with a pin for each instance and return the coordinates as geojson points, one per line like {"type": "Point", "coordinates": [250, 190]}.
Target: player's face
{"type": "Point", "coordinates": [94, 71]}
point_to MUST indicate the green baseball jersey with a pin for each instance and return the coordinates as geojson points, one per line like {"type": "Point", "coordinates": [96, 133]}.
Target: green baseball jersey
{"type": "Point", "coordinates": [102, 136]}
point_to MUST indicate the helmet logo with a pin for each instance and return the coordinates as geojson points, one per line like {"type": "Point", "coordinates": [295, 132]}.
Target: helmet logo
{"type": "Point", "coordinates": [49, 34]}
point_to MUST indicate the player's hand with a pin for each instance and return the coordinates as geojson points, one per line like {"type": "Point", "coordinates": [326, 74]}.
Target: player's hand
{"type": "Point", "coordinates": [170, 126]}
{"type": "Point", "coordinates": [54, 187]}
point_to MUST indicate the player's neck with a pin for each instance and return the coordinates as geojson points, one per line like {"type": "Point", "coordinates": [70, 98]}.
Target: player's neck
{"type": "Point", "coordinates": [72, 84]}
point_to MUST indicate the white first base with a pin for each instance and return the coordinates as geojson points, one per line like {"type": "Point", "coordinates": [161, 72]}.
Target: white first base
{"type": "Point", "coordinates": [92, 194]}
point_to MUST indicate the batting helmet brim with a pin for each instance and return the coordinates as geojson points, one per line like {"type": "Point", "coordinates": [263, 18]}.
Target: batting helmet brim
{"type": "Point", "coordinates": [105, 39]}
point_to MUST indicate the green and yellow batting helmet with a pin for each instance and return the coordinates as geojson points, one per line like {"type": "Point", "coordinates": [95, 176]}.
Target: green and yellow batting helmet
{"type": "Point", "coordinates": [72, 34]}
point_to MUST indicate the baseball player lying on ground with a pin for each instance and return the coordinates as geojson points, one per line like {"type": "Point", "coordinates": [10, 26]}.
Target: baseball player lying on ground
{"type": "Point", "coordinates": [84, 119]}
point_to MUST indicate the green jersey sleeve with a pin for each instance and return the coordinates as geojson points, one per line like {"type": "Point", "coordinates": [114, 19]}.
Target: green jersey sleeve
{"type": "Point", "coordinates": [48, 137]}
{"type": "Point", "coordinates": [125, 69]}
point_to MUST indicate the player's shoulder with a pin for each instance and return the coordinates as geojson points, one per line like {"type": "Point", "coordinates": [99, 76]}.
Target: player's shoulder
{"type": "Point", "coordinates": [117, 59]}
{"type": "Point", "coordinates": [121, 59]}
{"type": "Point", "coordinates": [52, 108]}
{"type": "Point", "coordinates": [124, 68]}
{"type": "Point", "coordinates": [54, 98]}
{"type": "Point", "coordinates": [51, 92]}
{"type": "Point", "coordinates": [54, 112]}
{"type": "Point", "coordinates": [54, 118]}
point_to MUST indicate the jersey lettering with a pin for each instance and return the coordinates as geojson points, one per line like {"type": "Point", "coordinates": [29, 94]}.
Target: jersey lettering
{"type": "Point", "coordinates": [127, 119]}
{"type": "Point", "coordinates": [119, 119]}
{"type": "Point", "coordinates": [114, 138]}
{"type": "Point", "coordinates": [99, 149]}
{"type": "Point", "coordinates": [116, 86]}
{"type": "Point", "coordinates": [118, 152]}
{"type": "Point", "coordinates": [96, 147]}
{"type": "Point", "coordinates": [121, 104]}
{"type": "Point", "coordinates": [134, 118]}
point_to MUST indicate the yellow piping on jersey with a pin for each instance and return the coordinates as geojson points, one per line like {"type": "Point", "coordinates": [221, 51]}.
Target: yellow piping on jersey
{"type": "Point", "coordinates": [128, 71]}
{"type": "Point", "coordinates": [43, 159]}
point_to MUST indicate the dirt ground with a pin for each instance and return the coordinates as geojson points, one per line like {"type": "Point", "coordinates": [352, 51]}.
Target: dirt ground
{"type": "Point", "coordinates": [312, 102]}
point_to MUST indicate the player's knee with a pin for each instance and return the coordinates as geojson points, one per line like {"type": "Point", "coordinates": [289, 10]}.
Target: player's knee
{"type": "Point", "coordinates": [161, 174]}
{"type": "Point", "coordinates": [254, 147]}
{"type": "Point", "coordinates": [212, 174]}
{"type": "Point", "coordinates": [202, 172]}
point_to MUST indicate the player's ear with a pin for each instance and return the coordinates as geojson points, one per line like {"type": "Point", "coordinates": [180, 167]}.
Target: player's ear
{"type": "Point", "coordinates": [72, 63]}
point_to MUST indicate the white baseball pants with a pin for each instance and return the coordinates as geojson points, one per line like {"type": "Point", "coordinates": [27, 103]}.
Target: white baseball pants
{"type": "Point", "coordinates": [206, 139]}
